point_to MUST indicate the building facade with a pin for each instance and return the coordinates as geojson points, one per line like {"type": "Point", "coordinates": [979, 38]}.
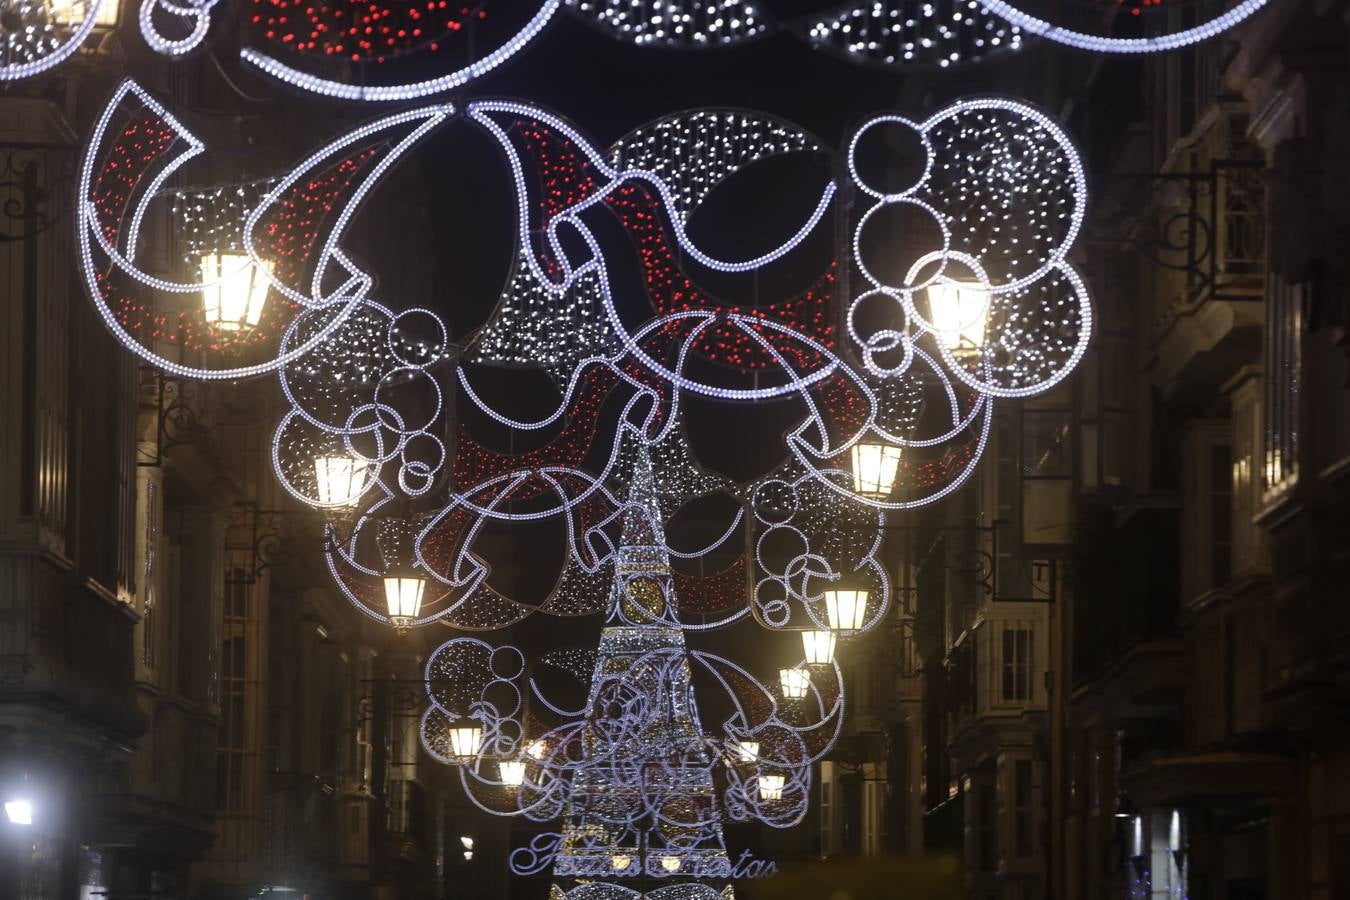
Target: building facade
{"type": "Point", "coordinates": [1178, 509]}
{"type": "Point", "coordinates": [187, 707]}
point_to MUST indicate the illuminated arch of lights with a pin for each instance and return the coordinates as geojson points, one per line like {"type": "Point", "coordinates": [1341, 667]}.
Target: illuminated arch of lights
{"type": "Point", "coordinates": [894, 412]}
{"type": "Point", "coordinates": [316, 47]}
{"type": "Point", "coordinates": [41, 34]}
{"type": "Point", "coordinates": [991, 309]}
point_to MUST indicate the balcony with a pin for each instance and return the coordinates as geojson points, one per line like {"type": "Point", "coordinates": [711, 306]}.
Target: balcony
{"type": "Point", "coordinates": [1194, 777]}
{"type": "Point", "coordinates": [1204, 237]}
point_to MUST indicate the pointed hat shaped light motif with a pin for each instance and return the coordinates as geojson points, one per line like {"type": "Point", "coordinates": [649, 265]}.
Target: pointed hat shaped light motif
{"type": "Point", "coordinates": [644, 563]}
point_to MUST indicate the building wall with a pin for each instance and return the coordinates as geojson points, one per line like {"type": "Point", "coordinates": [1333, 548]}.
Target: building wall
{"type": "Point", "coordinates": [189, 707]}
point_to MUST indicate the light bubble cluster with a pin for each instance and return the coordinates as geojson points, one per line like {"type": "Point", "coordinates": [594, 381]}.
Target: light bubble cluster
{"type": "Point", "coordinates": [368, 385]}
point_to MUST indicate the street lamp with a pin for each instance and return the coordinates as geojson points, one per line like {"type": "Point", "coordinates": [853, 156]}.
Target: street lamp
{"type": "Point", "coordinates": [874, 468]}
{"type": "Point", "coordinates": [19, 811]}
{"type": "Point", "coordinates": [845, 609]}
{"type": "Point", "coordinates": [464, 743]}
{"type": "Point", "coordinates": [233, 291]}
{"type": "Point", "coordinates": [819, 647]}
{"type": "Point", "coordinates": [403, 595]}
{"type": "Point", "coordinates": [340, 479]}
{"type": "Point", "coordinates": [747, 751]}
{"type": "Point", "coordinates": [959, 312]}
{"type": "Point", "coordinates": [512, 772]}
{"type": "Point", "coordinates": [794, 682]}
{"type": "Point", "coordinates": [771, 787]}
{"type": "Point", "coordinates": [72, 12]}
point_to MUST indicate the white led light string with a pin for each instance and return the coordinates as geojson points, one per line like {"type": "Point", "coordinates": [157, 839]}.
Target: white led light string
{"type": "Point", "coordinates": [38, 42]}
{"type": "Point", "coordinates": [464, 597]}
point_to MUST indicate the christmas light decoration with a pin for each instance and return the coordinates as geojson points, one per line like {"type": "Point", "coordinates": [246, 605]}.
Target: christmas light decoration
{"type": "Point", "coordinates": [1154, 11]}
{"type": "Point", "coordinates": [874, 468]}
{"type": "Point", "coordinates": [339, 355]}
{"type": "Point", "coordinates": [818, 647]}
{"type": "Point", "coordinates": [899, 33]}
{"type": "Point", "coordinates": [19, 812]}
{"type": "Point", "coordinates": [409, 90]}
{"type": "Point", "coordinates": [846, 609]}
{"type": "Point", "coordinates": [232, 292]}
{"type": "Point", "coordinates": [175, 27]}
{"type": "Point", "coordinates": [341, 49]}
{"type": "Point", "coordinates": [960, 313]}
{"type": "Point", "coordinates": [770, 787]}
{"type": "Point", "coordinates": [404, 597]}
{"type": "Point", "coordinates": [630, 772]}
{"type": "Point", "coordinates": [340, 480]}
{"type": "Point", "coordinates": [795, 683]}
{"type": "Point", "coordinates": [939, 33]}
{"type": "Point", "coordinates": [40, 34]}
{"type": "Point", "coordinates": [512, 772]}
{"type": "Point", "coordinates": [105, 12]}
{"type": "Point", "coordinates": [464, 744]}
{"type": "Point", "coordinates": [365, 432]}
{"type": "Point", "coordinates": [674, 23]}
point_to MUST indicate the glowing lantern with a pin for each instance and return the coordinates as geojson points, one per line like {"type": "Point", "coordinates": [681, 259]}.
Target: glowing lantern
{"type": "Point", "coordinates": [771, 787]}
{"type": "Point", "coordinates": [19, 812]}
{"type": "Point", "coordinates": [340, 479]}
{"type": "Point", "coordinates": [959, 313]}
{"type": "Point", "coordinates": [747, 751]}
{"type": "Point", "coordinates": [465, 740]}
{"type": "Point", "coordinates": [403, 595]}
{"type": "Point", "coordinates": [874, 468]}
{"type": "Point", "coordinates": [819, 647]}
{"type": "Point", "coordinates": [538, 749]}
{"type": "Point", "coordinates": [620, 861]}
{"type": "Point", "coordinates": [794, 682]}
{"type": "Point", "coordinates": [69, 12]}
{"type": "Point", "coordinates": [233, 291]}
{"type": "Point", "coordinates": [846, 610]}
{"type": "Point", "coordinates": [512, 772]}
{"type": "Point", "coordinates": [670, 863]}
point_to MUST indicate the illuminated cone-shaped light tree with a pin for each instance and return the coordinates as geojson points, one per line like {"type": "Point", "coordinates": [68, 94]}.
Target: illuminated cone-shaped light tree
{"type": "Point", "coordinates": [642, 814]}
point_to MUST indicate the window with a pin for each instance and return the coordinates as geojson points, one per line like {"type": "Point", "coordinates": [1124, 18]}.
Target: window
{"type": "Point", "coordinates": [1221, 514]}
{"type": "Point", "coordinates": [1016, 664]}
{"type": "Point", "coordinates": [907, 662]}
{"type": "Point", "coordinates": [149, 576]}
{"type": "Point", "coordinates": [1022, 818]}
{"type": "Point", "coordinates": [1207, 507]}
{"type": "Point", "coordinates": [229, 772]}
{"type": "Point", "coordinates": [871, 816]}
{"type": "Point", "coordinates": [1045, 444]}
{"type": "Point", "coordinates": [827, 844]}
{"type": "Point", "coordinates": [1047, 470]}
{"type": "Point", "coordinates": [986, 827]}
{"type": "Point", "coordinates": [1284, 327]}
{"type": "Point", "coordinates": [1248, 550]}
{"type": "Point", "coordinates": [234, 749]}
